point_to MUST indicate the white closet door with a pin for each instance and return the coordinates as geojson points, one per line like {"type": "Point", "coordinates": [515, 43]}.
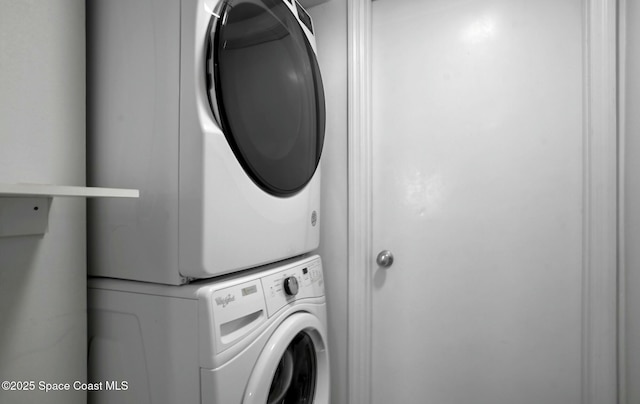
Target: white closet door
{"type": "Point", "coordinates": [478, 193]}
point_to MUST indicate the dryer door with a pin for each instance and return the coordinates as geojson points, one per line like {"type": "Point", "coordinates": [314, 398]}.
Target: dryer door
{"type": "Point", "coordinates": [294, 365]}
{"type": "Point", "coordinates": [265, 91]}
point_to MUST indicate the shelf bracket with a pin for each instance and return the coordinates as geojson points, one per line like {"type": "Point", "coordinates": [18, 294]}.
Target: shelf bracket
{"type": "Point", "coordinates": [21, 216]}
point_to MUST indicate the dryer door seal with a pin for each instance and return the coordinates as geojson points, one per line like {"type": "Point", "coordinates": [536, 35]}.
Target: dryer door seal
{"type": "Point", "coordinates": [265, 90]}
{"type": "Point", "coordinates": [294, 365]}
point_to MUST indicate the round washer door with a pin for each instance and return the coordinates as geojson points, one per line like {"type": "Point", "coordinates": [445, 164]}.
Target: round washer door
{"type": "Point", "coordinates": [294, 365]}
{"type": "Point", "coordinates": [265, 91]}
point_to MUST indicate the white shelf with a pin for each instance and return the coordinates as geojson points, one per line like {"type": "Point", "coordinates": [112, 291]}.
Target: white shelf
{"type": "Point", "coordinates": [45, 190]}
{"type": "Point", "coordinates": [24, 208]}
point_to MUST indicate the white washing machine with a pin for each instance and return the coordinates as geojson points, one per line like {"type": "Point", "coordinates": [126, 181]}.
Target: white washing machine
{"type": "Point", "coordinates": [215, 110]}
{"type": "Point", "coordinates": [256, 338]}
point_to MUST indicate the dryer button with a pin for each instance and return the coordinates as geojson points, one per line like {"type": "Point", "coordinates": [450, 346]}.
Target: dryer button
{"type": "Point", "coordinates": [291, 286]}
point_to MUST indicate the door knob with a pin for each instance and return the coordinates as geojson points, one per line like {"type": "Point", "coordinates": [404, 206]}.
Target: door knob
{"type": "Point", "coordinates": [385, 259]}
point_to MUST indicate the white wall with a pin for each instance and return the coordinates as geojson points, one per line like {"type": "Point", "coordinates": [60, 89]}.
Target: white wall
{"type": "Point", "coordinates": [330, 21]}
{"type": "Point", "coordinates": [631, 201]}
{"type": "Point", "coordinates": [42, 140]}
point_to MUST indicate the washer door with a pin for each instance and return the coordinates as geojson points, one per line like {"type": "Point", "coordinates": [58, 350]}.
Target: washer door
{"type": "Point", "coordinates": [265, 91]}
{"type": "Point", "coordinates": [293, 366]}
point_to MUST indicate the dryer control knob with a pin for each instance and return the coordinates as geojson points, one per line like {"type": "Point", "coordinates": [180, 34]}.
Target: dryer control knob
{"type": "Point", "coordinates": [291, 286]}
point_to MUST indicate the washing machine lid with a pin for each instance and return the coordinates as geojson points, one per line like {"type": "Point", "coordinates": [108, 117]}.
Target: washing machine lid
{"type": "Point", "coordinates": [265, 91]}
{"type": "Point", "coordinates": [293, 367]}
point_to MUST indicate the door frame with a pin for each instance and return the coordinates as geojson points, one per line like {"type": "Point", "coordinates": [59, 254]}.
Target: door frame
{"type": "Point", "coordinates": [600, 325]}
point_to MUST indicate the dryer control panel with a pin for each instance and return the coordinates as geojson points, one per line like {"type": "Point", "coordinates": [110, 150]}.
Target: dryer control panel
{"type": "Point", "coordinates": [291, 284]}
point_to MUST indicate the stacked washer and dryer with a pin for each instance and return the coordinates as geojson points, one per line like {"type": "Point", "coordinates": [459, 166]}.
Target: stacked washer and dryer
{"type": "Point", "coordinates": [204, 290]}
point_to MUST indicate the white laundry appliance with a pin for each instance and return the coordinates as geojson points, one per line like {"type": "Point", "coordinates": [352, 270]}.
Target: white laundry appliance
{"type": "Point", "coordinates": [215, 110]}
{"type": "Point", "coordinates": [259, 337]}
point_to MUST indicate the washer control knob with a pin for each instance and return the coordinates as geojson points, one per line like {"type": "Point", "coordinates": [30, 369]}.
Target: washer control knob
{"type": "Point", "coordinates": [291, 286]}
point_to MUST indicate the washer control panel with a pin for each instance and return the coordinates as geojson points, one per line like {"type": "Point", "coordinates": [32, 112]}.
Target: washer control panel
{"type": "Point", "coordinates": [291, 284]}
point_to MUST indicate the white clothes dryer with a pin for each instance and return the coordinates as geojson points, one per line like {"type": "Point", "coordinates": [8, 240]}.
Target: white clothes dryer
{"type": "Point", "coordinates": [256, 338]}
{"type": "Point", "coordinates": [215, 110]}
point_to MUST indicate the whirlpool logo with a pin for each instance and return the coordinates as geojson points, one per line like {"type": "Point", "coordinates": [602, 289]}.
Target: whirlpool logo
{"type": "Point", "coordinates": [224, 301]}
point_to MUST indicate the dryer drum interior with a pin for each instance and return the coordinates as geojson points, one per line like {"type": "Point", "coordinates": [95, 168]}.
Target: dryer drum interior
{"type": "Point", "coordinates": [295, 378]}
{"type": "Point", "coordinates": [265, 91]}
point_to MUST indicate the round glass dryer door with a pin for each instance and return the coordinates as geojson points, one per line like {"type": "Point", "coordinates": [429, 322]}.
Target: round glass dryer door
{"type": "Point", "coordinates": [266, 92]}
